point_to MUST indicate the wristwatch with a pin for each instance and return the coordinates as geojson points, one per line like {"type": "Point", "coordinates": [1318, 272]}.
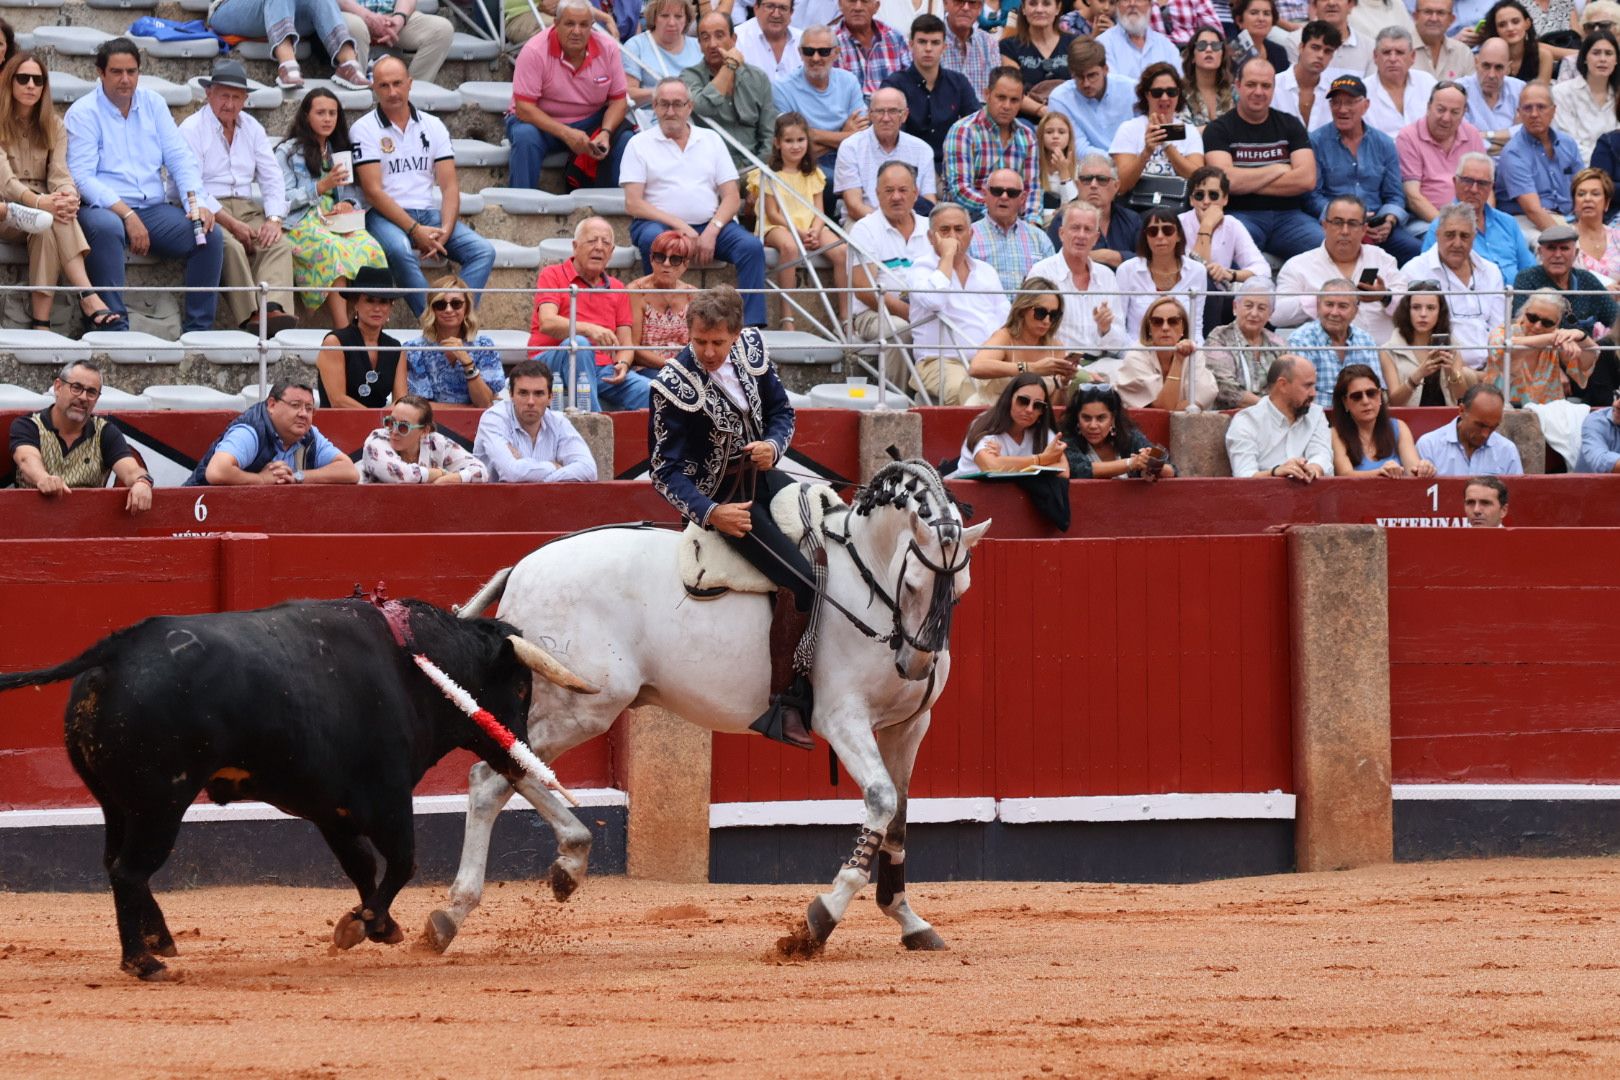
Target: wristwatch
{"type": "Point", "coordinates": [298, 477]}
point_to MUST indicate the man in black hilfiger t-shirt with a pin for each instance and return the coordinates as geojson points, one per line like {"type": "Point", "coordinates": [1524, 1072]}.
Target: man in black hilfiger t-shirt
{"type": "Point", "coordinates": [1268, 158]}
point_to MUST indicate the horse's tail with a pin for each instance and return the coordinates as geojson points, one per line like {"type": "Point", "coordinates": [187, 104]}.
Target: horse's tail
{"type": "Point", "coordinates": [489, 594]}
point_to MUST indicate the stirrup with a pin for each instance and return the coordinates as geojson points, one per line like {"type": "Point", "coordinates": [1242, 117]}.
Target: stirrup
{"type": "Point", "coordinates": [787, 720]}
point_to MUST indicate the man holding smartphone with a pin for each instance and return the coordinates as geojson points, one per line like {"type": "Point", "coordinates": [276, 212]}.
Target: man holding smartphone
{"type": "Point", "coordinates": [1377, 278]}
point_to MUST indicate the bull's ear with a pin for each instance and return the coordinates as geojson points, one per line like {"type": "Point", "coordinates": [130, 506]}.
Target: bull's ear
{"type": "Point", "coordinates": [976, 533]}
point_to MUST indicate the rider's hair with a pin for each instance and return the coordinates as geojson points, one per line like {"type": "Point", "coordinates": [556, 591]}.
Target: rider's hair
{"type": "Point", "coordinates": [720, 306]}
{"type": "Point", "coordinates": [997, 419]}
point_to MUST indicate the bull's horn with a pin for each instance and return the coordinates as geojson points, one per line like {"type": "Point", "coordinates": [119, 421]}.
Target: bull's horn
{"type": "Point", "coordinates": [541, 662]}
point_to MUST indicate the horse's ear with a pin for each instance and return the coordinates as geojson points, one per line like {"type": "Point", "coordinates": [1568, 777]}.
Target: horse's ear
{"type": "Point", "coordinates": [976, 533]}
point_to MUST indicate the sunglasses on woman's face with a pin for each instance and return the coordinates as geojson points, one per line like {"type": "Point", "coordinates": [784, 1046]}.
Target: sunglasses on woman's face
{"type": "Point", "coordinates": [1029, 403]}
{"type": "Point", "coordinates": [28, 78]}
{"type": "Point", "coordinates": [400, 427]}
{"type": "Point", "coordinates": [1364, 395]}
{"type": "Point", "coordinates": [1209, 45]}
{"type": "Point", "coordinates": [1163, 230]}
{"type": "Point", "coordinates": [449, 305]}
{"type": "Point", "coordinates": [1540, 320]}
{"type": "Point", "coordinates": [1045, 314]}
{"type": "Point", "coordinates": [667, 259]}
{"type": "Point", "coordinates": [1166, 321]}
{"type": "Point", "coordinates": [1163, 92]}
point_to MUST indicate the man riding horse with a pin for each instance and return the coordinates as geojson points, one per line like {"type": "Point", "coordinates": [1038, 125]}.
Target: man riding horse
{"type": "Point", "coordinates": [720, 423]}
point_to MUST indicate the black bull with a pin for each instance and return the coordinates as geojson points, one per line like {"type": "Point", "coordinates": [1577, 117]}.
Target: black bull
{"type": "Point", "coordinates": [310, 706]}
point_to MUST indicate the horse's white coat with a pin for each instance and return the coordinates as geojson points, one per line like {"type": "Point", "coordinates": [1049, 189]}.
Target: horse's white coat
{"type": "Point", "coordinates": [610, 606]}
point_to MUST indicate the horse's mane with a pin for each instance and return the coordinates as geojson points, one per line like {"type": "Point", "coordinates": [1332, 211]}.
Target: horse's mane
{"type": "Point", "coordinates": [907, 485]}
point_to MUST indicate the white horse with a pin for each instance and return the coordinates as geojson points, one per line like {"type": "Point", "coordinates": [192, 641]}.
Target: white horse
{"type": "Point", "coordinates": [610, 606]}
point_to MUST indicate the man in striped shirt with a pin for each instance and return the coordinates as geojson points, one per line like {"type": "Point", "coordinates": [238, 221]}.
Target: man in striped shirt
{"type": "Point", "coordinates": [868, 49]}
{"type": "Point", "coordinates": [968, 50]}
{"type": "Point", "coordinates": [991, 138]}
{"type": "Point", "coordinates": [1002, 237]}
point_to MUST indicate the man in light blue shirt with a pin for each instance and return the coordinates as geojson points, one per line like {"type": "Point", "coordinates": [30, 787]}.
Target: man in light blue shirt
{"type": "Point", "coordinates": [1354, 159]}
{"type": "Point", "coordinates": [275, 442]}
{"type": "Point", "coordinates": [119, 138]}
{"type": "Point", "coordinates": [524, 441]}
{"type": "Point", "coordinates": [1499, 237]}
{"type": "Point", "coordinates": [1493, 95]}
{"type": "Point", "coordinates": [1538, 165]}
{"type": "Point", "coordinates": [1469, 445]}
{"type": "Point", "coordinates": [1132, 43]}
{"type": "Point", "coordinates": [1600, 440]}
{"type": "Point", "coordinates": [827, 96]}
{"type": "Point", "coordinates": [1095, 102]}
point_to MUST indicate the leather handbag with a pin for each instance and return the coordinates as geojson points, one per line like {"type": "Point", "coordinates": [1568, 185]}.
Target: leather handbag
{"type": "Point", "coordinates": [1150, 191]}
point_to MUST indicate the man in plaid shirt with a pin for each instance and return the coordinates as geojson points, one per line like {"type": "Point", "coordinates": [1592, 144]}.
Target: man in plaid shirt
{"type": "Point", "coordinates": [868, 49]}
{"type": "Point", "coordinates": [968, 50]}
{"type": "Point", "coordinates": [1002, 238]}
{"type": "Point", "coordinates": [990, 139]}
{"type": "Point", "coordinates": [1178, 20]}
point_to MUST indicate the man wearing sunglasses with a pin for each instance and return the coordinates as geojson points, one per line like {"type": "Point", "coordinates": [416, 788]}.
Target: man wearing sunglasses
{"type": "Point", "coordinates": [1588, 303]}
{"type": "Point", "coordinates": [1003, 238]}
{"type": "Point", "coordinates": [65, 446]}
{"type": "Point", "coordinates": [827, 96]}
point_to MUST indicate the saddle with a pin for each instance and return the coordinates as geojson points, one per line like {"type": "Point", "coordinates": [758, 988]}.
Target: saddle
{"type": "Point", "coordinates": [710, 567]}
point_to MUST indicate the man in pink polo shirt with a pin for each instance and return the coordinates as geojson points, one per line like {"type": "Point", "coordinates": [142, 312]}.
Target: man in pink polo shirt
{"type": "Point", "coordinates": [1430, 150]}
{"type": "Point", "coordinates": [601, 346]}
{"type": "Point", "coordinates": [568, 93]}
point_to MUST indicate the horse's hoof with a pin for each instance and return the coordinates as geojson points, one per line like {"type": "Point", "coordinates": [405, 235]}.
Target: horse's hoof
{"type": "Point", "coordinates": [820, 920]}
{"type": "Point", "coordinates": [349, 931]}
{"type": "Point", "coordinates": [802, 944]}
{"type": "Point", "coordinates": [147, 968]}
{"type": "Point", "coordinates": [562, 883]}
{"type": "Point", "coordinates": [925, 940]}
{"type": "Point", "coordinates": [439, 932]}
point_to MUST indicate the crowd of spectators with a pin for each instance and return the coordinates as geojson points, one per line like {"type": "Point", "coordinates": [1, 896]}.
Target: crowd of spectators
{"type": "Point", "coordinates": [1177, 206]}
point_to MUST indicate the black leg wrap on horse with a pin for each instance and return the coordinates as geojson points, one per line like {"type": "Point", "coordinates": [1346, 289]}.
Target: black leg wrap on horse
{"type": "Point", "coordinates": [891, 879]}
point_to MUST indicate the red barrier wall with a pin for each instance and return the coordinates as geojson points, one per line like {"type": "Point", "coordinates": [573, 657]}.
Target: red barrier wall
{"type": "Point", "coordinates": [1091, 667]}
{"type": "Point", "coordinates": [60, 596]}
{"type": "Point", "coordinates": [1502, 649]}
{"type": "Point", "coordinates": [1101, 508]}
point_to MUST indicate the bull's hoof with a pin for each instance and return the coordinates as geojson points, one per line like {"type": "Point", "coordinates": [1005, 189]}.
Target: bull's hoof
{"type": "Point", "coordinates": [147, 968]}
{"type": "Point", "coordinates": [810, 936]}
{"type": "Point", "coordinates": [440, 931]}
{"type": "Point", "coordinates": [926, 940]}
{"type": "Point", "coordinates": [349, 931]}
{"type": "Point", "coordinates": [162, 946]}
{"type": "Point", "coordinates": [562, 882]}
{"type": "Point", "coordinates": [387, 934]}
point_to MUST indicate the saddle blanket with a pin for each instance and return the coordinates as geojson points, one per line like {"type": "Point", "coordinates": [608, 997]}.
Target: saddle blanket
{"type": "Point", "coordinates": [708, 562]}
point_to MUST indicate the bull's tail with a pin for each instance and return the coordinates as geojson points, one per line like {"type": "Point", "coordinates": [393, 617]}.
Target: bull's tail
{"type": "Point", "coordinates": [491, 592]}
{"type": "Point", "coordinates": [96, 656]}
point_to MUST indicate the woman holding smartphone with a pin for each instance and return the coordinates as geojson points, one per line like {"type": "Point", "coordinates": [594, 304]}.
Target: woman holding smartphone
{"type": "Point", "coordinates": [1158, 142]}
{"type": "Point", "coordinates": [1420, 367]}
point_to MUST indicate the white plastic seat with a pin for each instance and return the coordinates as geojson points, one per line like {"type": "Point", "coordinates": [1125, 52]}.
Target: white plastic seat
{"type": "Point", "coordinates": [434, 98]}
{"type": "Point", "coordinates": [472, 203]}
{"type": "Point", "coordinates": [113, 399]}
{"type": "Point", "coordinates": [301, 343]}
{"type": "Point", "coordinates": [252, 394]}
{"type": "Point", "coordinates": [196, 7]}
{"type": "Point", "coordinates": [474, 153]}
{"type": "Point", "coordinates": [35, 3]}
{"type": "Point", "coordinates": [843, 396]}
{"type": "Point", "coordinates": [174, 95]}
{"type": "Point", "coordinates": [25, 40]}
{"type": "Point", "coordinates": [201, 49]}
{"type": "Point", "coordinates": [42, 348]}
{"type": "Point", "coordinates": [192, 398]}
{"type": "Point", "coordinates": [67, 88]}
{"type": "Point", "coordinates": [798, 347]}
{"type": "Point", "coordinates": [71, 40]}
{"type": "Point", "coordinates": [133, 347]}
{"type": "Point", "coordinates": [527, 201]}
{"type": "Point", "coordinates": [428, 7]}
{"type": "Point", "coordinates": [511, 345]}
{"type": "Point", "coordinates": [601, 200]}
{"type": "Point", "coordinates": [559, 248]}
{"type": "Point", "coordinates": [123, 5]}
{"type": "Point", "coordinates": [467, 47]}
{"type": "Point", "coordinates": [491, 97]}
{"type": "Point", "coordinates": [20, 398]}
{"type": "Point", "coordinates": [260, 96]}
{"type": "Point", "coordinates": [228, 346]}
{"type": "Point", "coordinates": [354, 102]}
{"type": "Point", "coordinates": [519, 256]}
{"type": "Point", "coordinates": [260, 50]}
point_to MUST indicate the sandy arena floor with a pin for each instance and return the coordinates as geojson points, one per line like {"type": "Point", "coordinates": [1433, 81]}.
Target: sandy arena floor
{"type": "Point", "coordinates": [1461, 969]}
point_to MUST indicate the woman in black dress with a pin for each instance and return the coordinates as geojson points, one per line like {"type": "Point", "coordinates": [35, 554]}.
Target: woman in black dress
{"type": "Point", "coordinates": [1040, 52]}
{"type": "Point", "coordinates": [360, 366]}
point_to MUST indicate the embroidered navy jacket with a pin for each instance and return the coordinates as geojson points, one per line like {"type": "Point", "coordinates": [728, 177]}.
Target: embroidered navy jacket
{"type": "Point", "coordinates": [695, 432]}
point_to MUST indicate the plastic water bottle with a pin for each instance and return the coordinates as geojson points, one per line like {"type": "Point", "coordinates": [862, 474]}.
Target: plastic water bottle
{"type": "Point", "coordinates": [198, 235]}
{"type": "Point", "coordinates": [557, 401]}
{"type": "Point", "coordinates": [582, 390]}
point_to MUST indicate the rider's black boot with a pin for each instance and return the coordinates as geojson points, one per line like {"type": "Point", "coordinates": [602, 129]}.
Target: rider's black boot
{"type": "Point", "coordinates": [788, 718]}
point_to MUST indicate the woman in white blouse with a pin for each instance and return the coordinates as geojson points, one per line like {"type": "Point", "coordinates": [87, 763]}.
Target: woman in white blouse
{"type": "Point", "coordinates": [1586, 105]}
{"type": "Point", "coordinates": [1162, 268]}
{"type": "Point", "coordinates": [407, 450]}
{"type": "Point", "coordinates": [1142, 146]}
{"type": "Point", "coordinates": [1168, 371]}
